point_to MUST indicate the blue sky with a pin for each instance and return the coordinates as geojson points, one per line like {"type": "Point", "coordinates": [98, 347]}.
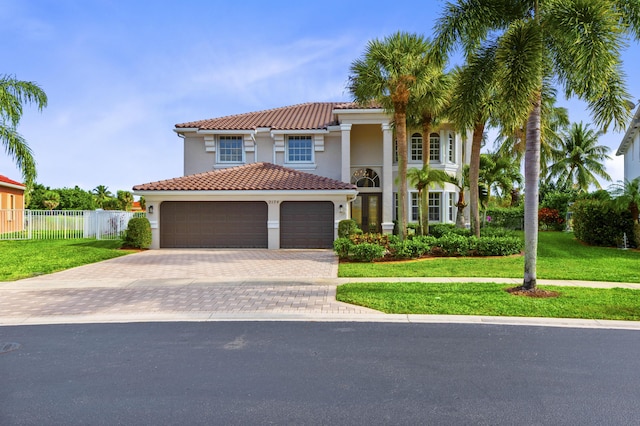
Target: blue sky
{"type": "Point", "coordinates": [120, 74]}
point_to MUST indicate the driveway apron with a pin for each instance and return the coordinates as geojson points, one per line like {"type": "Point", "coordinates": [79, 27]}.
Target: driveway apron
{"type": "Point", "coordinates": [193, 284]}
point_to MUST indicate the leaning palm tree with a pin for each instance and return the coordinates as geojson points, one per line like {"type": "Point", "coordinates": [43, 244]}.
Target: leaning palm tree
{"type": "Point", "coordinates": [423, 179]}
{"type": "Point", "coordinates": [13, 94]}
{"type": "Point", "coordinates": [388, 73]}
{"type": "Point", "coordinates": [577, 42]}
{"type": "Point", "coordinates": [626, 196]}
{"type": "Point", "coordinates": [579, 159]}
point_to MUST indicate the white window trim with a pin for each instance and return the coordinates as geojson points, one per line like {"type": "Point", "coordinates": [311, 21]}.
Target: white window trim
{"type": "Point", "coordinates": [410, 146]}
{"type": "Point", "coordinates": [432, 144]}
{"type": "Point", "coordinates": [240, 139]}
{"type": "Point", "coordinates": [311, 148]}
{"type": "Point", "coordinates": [439, 220]}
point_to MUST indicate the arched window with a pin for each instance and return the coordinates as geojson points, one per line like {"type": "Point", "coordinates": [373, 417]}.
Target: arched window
{"type": "Point", "coordinates": [434, 149]}
{"type": "Point", "coordinates": [416, 147]}
{"type": "Point", "coordinates": [365, 178]}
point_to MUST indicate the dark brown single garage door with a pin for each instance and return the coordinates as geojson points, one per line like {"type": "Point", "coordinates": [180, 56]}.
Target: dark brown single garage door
{"type": "Point", "coordinates": [306, 224]}
{"type": "Point", "coordinates": [215, 224]}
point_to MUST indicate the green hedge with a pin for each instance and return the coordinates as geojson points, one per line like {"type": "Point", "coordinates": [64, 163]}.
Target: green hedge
{"type": "Point", "coordinates": [506, 217]}
{"type": "Point", "coordinates": [370, 247]}
{"type": "Point", "coordinates": [596, 222]}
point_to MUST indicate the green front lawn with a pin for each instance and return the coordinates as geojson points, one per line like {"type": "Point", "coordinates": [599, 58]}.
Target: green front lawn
{"type": "Point", "coordinates": [27, 258]}
{"type": "Point", "coordinates": [560, 256]}
{"type": "Point", "coordinates": [492, 300]}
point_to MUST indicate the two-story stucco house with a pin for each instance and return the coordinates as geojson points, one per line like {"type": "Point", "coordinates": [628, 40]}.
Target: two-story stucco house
{"type": "Point", "coordinates": [285, 177]}
{"type": "Point", "coordinates": [630, 148]}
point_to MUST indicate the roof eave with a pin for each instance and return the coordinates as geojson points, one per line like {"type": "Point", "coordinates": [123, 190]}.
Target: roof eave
{"type": "Point", "coordinates": [629, 134]}
{"type": "Point", "coordinates": [289, 192]}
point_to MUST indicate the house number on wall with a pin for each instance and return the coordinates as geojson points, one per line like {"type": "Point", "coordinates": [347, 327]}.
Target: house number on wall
{"type": "Point", "coordinates": [273, 201]}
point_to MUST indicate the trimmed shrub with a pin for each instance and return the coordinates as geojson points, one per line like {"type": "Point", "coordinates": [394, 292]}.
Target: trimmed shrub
{"type": "Point", "coordinates": [138, 233]}
{"type": "Point", "coordinates": [409, 249]}
{"type": "Point", "coordinates": [442, 229]}
{"type": "Point", "coordinates": [496, 232]}
{"type": "Point", "coordinates": [597, 222]}
{"type": "Point", "coordinates": [497, 246]}
{"type": "Point", "coordinates": [347, 227]}
{"type": "Point", "coordinates": [370, 238]}
{"type": "Point", "coordinates": [509, 218]}
{"type": "Point", "coordinates": [367, 252]}
{"type": "Point", "coordinates": [342, 247]}
{"type": "Point", "coordinates": [453, 245]}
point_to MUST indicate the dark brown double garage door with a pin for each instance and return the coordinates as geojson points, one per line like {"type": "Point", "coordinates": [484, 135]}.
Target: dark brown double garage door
{"type": "Point", "coordinates": [243, 224]}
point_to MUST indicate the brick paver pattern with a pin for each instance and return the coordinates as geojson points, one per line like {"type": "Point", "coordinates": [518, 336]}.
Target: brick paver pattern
{"type": "Point", "coordinates": [174, 281]}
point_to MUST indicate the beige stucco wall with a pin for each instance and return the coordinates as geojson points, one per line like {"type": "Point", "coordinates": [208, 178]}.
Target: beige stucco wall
{"type": "Point", "coordinates": [196, 159]}
{"type": "Point", "coordinates": [366, 145]}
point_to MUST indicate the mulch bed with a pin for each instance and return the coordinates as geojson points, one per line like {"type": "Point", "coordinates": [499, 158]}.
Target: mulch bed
{"type": "Point", "coordinates": [537, 292]}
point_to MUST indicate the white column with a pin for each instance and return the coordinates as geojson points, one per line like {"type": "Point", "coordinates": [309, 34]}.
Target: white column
{"type": "Point", "coordinates": [387, 178]}
{"type": "Point", "coordinates": [346, 152]}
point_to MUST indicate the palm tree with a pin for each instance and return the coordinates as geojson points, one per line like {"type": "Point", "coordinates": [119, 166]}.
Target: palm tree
{"type": "Point", "coordinates": [422, 179]}
{"type": "Point", "coordinates": [579, 158]}
{"type": "Point", "coordinates": [426, 110]}
{"type": "Point", "coordinates": [461, 183]}
{"type": "Point", "coordinates": [125, 199]}
{"type": "Point", "coordinates": [13, 94]}
{"type": "Point", "coordinates": [627, 196]}
{"type": "Point", "coordinates": [554, 120]}
{"type": "Point", "coordinates": [101, 194]}
{"type": "Point", "coordinates": [473, 106]}
{"type": "Point", "coordinates": [499, 173]}
{"type": "Point", "coordinates": [577, 42]}
{"type": "Point", "coordinates": [388, 73]}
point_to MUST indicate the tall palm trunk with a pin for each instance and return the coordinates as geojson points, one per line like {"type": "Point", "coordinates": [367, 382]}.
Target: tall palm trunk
{"type": "Point", "coordinates": [400, 119]}
{"type": "Point", "coordinates": [531, 182]}
{"type": "Point", "coordinates": [426, 157]}
{"type": "Point", "coordinates": [474, 177]}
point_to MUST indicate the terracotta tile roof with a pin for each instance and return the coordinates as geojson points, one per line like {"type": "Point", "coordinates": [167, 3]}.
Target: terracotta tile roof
{"type": "Point", "coordinates": [4, 179]}
{"type": "Point", "coordinates": [309, 116]}
{"type": "Point", "coordinates": [250, 177]}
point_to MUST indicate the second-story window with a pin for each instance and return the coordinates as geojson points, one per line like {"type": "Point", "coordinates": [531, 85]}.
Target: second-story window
{"type": "Point", "coordinates": [434, 148]}
{"type": "Point", "coordinates": [299, 149]}
{"type": "Point", "coordinates": [230, 149]}
{"type": "Point", "coordinates": [452, 149]}
{"type": "Point", "coordinates": [416, 147]}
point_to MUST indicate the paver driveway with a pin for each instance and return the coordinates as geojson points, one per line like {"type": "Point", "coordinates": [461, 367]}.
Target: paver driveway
{"type": "Point", "coordinates": [210, 264]}
{"type": "Point", "coordinates": [182, 284]}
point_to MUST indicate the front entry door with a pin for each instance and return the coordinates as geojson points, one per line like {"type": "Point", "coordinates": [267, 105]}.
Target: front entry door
{"type": "Point", "coordinates": [366, 210]}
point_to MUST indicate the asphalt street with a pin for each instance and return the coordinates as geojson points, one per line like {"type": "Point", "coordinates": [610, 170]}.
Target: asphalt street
{"type": "Point", "coordinates": [317, 373]}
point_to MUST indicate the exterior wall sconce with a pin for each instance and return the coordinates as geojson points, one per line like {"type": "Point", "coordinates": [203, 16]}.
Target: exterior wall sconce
{"type": "Point", "coordinates": [341, 208]}
{"type": "Point", "coordinates": [150, 210]}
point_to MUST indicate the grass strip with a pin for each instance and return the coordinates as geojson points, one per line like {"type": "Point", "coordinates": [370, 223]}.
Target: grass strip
{"type": "Point", "coordinates": [490, 299]}
{"type": "Point", "coordinates": [27, 258]}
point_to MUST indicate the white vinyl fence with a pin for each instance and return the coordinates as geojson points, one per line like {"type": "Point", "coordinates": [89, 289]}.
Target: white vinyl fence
{"type": "Point", "coordinates": [62, 224]}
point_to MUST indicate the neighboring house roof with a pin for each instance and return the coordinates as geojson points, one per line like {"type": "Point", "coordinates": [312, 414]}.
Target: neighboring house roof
{"type": "Point", "coordinates": [308, 116]}
{"type": "Point", "coordinates": [250, 177]}
{"type": "Point", "coordinates": [5, 181]}
{"type": "Point", "coordinates": [633, 128]}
